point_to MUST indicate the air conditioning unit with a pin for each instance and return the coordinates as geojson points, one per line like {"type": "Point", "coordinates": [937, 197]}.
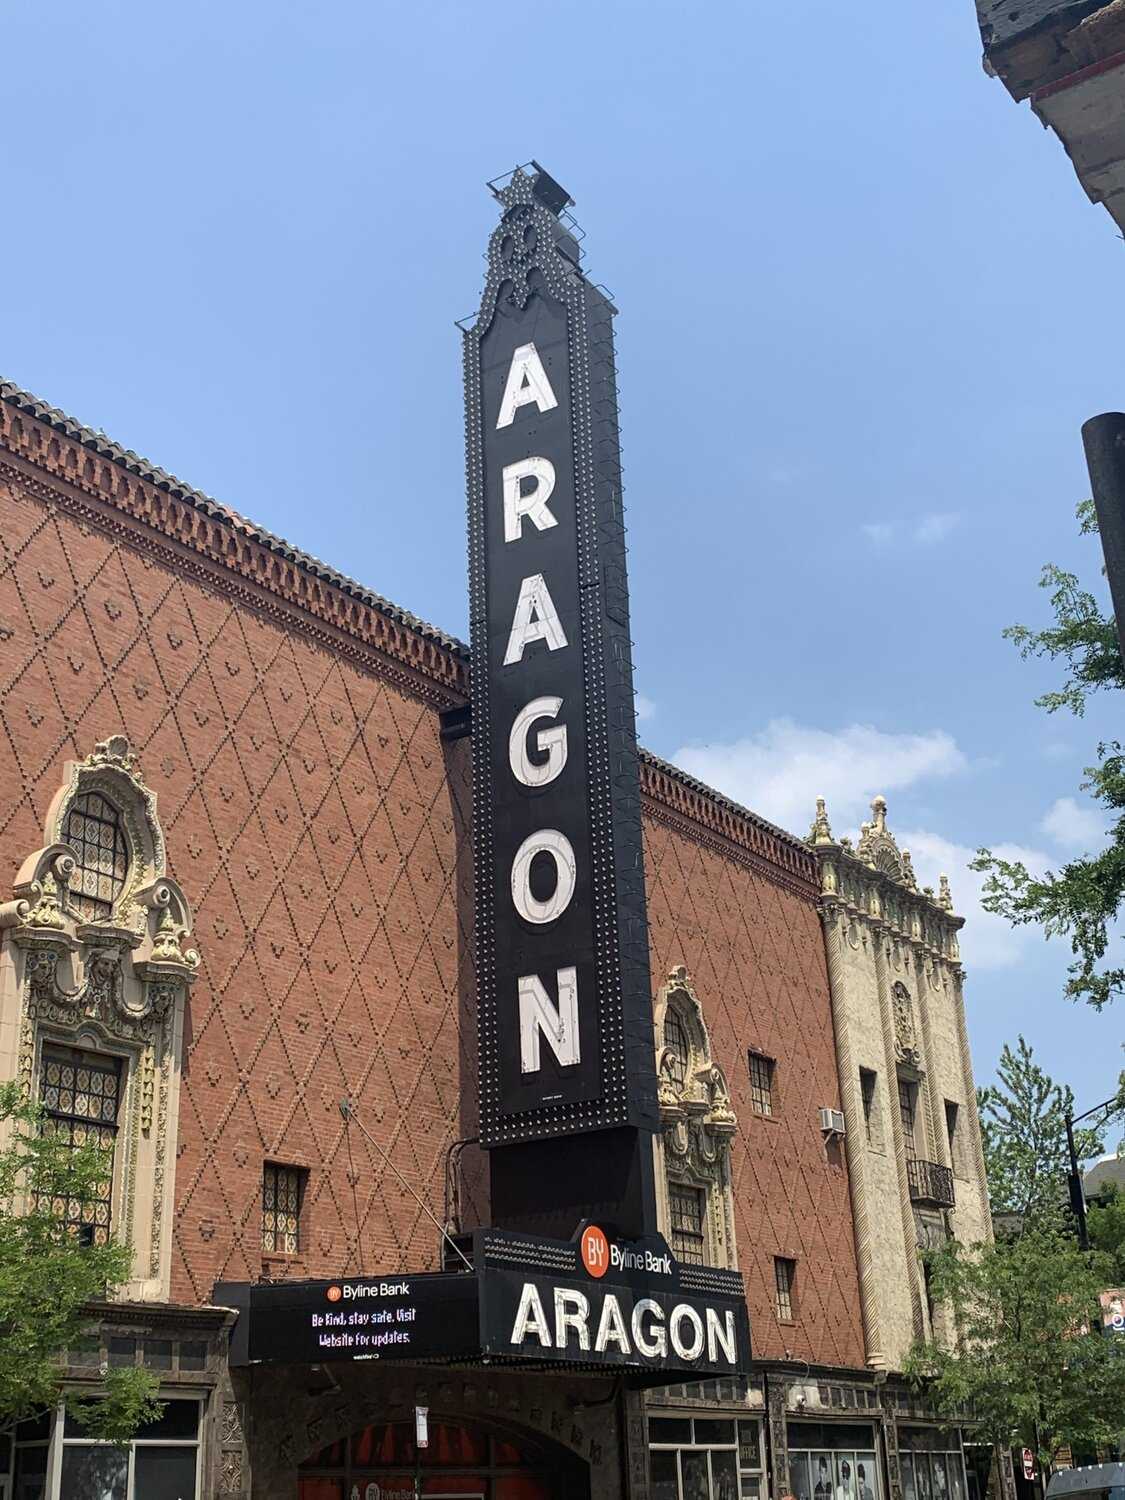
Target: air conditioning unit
{"type": "Point", "coordinates": [832, 1122]}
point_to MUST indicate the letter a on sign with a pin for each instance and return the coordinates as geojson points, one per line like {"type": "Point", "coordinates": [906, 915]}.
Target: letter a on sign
{"type": "Point", "coordinates": [527, 383]}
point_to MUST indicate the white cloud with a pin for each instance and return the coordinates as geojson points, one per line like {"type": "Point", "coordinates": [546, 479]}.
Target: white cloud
{"type": "Point", "coordinates": [935, 527]}
{"type": "Point", "coordinates": [1074, 827]}
{"type": "Point", "coordinates": [782, 769]}
{"type": "Point", "coordinates": [987, 941]}
{"type": "Point", "coordinates": [879, 533]}
{"type": "Point", "coordinates": [646, 708]}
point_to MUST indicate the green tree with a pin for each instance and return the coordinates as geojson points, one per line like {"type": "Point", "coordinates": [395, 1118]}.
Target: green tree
{"type": "Point", "coordinates": [1023, 1130]}
{"type": "Point", "coordinates": [1081, 900]}
{"type": "Point", "coordinates": [48, 1279]}
{"type": "Point", "coordinates": [1106, 1225]}
{"type": "Point", "coordinates": [1026, 1360]}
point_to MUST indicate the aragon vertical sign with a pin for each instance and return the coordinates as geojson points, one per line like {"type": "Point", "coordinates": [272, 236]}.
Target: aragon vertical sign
{"type": "Point", "coordinates": [565, 1020]}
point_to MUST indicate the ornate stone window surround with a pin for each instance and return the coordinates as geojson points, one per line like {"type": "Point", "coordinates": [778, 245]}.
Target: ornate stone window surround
{"type": "Point", "coordinates": [693, 1147]}
{"type": "Point", "coordinates": [117, 986]}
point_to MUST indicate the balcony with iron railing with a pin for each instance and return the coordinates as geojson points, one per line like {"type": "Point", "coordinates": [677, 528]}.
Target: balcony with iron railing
{"type": "Point", "coordinates": [930, 1183]}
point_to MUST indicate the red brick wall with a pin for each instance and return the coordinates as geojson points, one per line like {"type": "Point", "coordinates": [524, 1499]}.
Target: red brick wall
{"type": "Point", "coordinates": [311, 820]}
{"type": "Point", "coordinates": [756, 956]}
{"type": "Point", "coordinates": [319, 827]}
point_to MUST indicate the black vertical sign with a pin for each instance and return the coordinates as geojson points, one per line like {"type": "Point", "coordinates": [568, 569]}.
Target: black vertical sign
{"type": "Point", "coordinates": [565, 1017]}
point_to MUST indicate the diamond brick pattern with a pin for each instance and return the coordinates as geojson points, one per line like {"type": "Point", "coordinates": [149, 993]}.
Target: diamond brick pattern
{"type": "Point", "coordinates": [318, 826]}
{"type": "Point", "coordinates": [320, 829]}
{"type": "Point", "coordinates": [756, 956]}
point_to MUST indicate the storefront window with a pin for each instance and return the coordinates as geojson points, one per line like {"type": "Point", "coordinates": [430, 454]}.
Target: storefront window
{"type": "Point", "coordinates": [161, 1463]}
{"type": "Point", "coordinates": [705, 1458]}
{"type": "Point", "coordinates": [834, 1461]}
{"type": "Point", "coordinates": [932, 1464]}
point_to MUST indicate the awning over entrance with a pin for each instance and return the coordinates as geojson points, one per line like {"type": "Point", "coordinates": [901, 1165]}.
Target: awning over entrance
{"type": "Point", "coordinates": [625, 1307]}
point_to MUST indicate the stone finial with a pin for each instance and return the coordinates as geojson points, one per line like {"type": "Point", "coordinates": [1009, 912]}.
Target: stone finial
{"type": "Point", "coordinates": [879, 814]}
{"type": "Point", "coordinates": [945, 897]}
{"type": "Point", "coordinates": [821, 830]}
{"type": "Point", "coordinates": [908, 870]}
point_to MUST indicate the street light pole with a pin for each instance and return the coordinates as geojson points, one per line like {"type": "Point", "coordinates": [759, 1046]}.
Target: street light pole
{"type": "Point", "coordinates": [1074, 1176]}
{"type": "Point", "coordinates": [1103, 438]}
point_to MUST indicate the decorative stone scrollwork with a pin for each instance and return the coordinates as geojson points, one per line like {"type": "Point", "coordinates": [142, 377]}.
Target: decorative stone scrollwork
{"type": "Point", "coordinates": [695, 1106]}
{"type": "Point", "coordinates": [906, 1039]}
{"type": "Point", "coordinates": [107, 973]}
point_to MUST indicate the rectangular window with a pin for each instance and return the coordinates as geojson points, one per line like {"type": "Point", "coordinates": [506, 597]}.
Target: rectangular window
{"type": "Point", "coordinates": [867, 1080]}
{"type": "Point", "coordinates": [687, 1206]}
{"type": "Point", "coordinates": [761, 1083]}
{"type": "Point", "coordinates": [784, 1272]}
{"type": "Point", "coordinates": [908, 1105]}
{"type": "Point", "coordinates": [951, 1113]}
{"type": "Point", "coordinates": [283, 1189]}
{"type": "Point", "coordinates": [80, 1093]}
{"type": "Point", "coordinates": [705, 1458]}
{"type": "Point", "coordinates": [833, 1461]}
{"type": "Point", "coordinates": [161, 1463]}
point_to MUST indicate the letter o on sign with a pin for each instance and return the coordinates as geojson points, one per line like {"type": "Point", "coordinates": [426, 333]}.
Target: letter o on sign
{"type": "Point", "coordinates": [558, 846]}
{"type": "Point", "coordinates": [683, 1313]}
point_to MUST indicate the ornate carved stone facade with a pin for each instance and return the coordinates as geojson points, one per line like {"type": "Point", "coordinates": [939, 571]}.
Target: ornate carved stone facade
{"type": "Point", "coordinates": [906, 1080]}
{"type": "Point", "coordinates": [695, 1109]}
{"type": "Point", "coordinates": [110, 981]}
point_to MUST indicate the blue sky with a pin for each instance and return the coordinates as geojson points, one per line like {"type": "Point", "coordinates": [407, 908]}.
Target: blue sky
{"type": "Point", "coordinates": [865, 307]}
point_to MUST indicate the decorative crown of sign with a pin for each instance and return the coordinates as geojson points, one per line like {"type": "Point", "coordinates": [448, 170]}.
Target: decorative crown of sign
{"type": "Point", "coordinates": [529, 242]}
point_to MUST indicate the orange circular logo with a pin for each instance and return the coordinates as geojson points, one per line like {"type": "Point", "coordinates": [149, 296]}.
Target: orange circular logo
{"type": "Point", "coordinates": [333, 1294]}
{"type": "Point", "coordinates": [595, 1251]}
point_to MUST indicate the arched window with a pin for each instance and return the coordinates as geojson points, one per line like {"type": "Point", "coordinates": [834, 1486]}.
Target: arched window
{"type": "Point", "coordinates": [693, 1148]}
{"type": "Point", "coordinates": [676, 1042]}
{"type": "Point", "coordinates": [94, 830]}
{"type": "Point", "coordinates": [97, 1024]}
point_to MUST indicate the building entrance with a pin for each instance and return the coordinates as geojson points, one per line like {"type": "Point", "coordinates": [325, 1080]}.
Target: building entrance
{"type": "Point", "coordinates": [461, 1462]}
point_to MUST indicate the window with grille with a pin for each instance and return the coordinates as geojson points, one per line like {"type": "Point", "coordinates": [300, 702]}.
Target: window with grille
{"type": "Point", "coordinates": [94, 831]}
{"type": "Point", "coordinates": [283, 1189]}
{"type": "Point", "coordinates": [783, 1274]}
{"type": "Point", "coordinates": [687, 1206]}
{"type": "Point", "coordinates": [761, 1083]}
{"type": "Point", "coordinates": [867, 1094]}
{"type": "Point", "coordinates": [908, 1106]}
{"type": "Point", "coordinates": [676, 1041]}
{"type": "Point", "coordinates": [80, 1092]}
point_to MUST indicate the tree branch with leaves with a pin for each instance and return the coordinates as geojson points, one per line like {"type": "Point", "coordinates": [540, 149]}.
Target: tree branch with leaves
{"type": "Point", "coordinates": [48, 1278]}
{"type": "Point", "coordinates": [1081, 900]}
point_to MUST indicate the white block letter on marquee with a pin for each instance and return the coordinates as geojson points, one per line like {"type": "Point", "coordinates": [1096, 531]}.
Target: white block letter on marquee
{"type": "Point", "coordinates": [527, 382]}
{"type": "Point", "coordinates": [549, 742]}
{"type": "Point", "coordinates": [530, 1318]}
{"type": "Point", "coordinates": [558, 846]}
{"type": "Point", "coordinates": [534, 601]}
{"type": "Point", "coordinates": [539, 1017]}
{"type": "Point", "coordinates": [533, 504]}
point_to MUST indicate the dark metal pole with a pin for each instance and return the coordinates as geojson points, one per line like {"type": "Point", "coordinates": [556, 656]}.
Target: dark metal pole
{"type": "Point", "coordinates": [1074, 1185]}
{"type": "Point", "coordinates": [1103, 438]}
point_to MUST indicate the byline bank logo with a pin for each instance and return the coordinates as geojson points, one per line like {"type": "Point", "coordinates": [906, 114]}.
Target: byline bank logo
{"type": "Point", "coordinates": [595, 1251]}
{"type": "Point", "coordinates": [333, 1294]}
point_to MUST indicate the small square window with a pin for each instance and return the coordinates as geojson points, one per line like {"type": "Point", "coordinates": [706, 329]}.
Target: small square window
{"type": "Point", "coordinates": [761, 1083]}
{"type": "Point", "coordinates": [784, 1272]}
{"type": "Point", "coordinates": [122, 1351]}
{"type": "Point", "coordinates": [157, 1354]}
{"type": "Point", "coordinates": [193, 1356]}
{"type": "Point", "coordinates": [283, 1192]}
